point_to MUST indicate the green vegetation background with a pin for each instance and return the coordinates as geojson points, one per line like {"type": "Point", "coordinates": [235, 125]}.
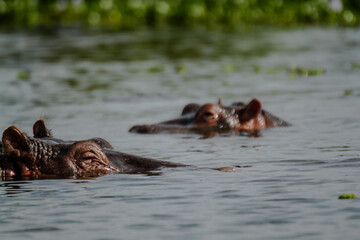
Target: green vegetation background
{"type": "Point", "coordinates": [128, 14]}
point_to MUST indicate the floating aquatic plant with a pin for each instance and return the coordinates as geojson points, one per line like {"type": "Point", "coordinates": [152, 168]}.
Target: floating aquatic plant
{"type": "Point", "coordinates": [347, 196]}
{"type": "Point", "coordinates": [228, 68]}
{"type": "Point", "coordinates": [306, 71]}
{"type": "Point", "coordinates": [180, 69]}
{"type": "Point", "coordinates": [348, 92]}
{"type": "Point", "coordinates": [155, 69]}
{"type": "Point", "coordinates": [355, 65]}
{"type": "Point", "coordinates": [23, 74]}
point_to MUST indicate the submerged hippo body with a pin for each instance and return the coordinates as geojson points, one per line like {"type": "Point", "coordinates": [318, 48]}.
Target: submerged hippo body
{"type": "Point", "coordinates": [216, 118]}
{"type": "Point", "coordinates": [43, 156]}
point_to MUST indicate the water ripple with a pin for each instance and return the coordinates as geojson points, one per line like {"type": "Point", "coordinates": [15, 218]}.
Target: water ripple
{"type": "Point", "coordinates": [38, 229]}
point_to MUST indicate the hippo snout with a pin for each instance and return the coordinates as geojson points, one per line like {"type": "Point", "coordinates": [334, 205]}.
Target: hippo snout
{"type": "Point", "coordinates": [143, 129]}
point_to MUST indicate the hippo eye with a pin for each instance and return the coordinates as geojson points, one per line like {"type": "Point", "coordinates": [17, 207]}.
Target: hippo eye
{"type": "Point", "coordinates": [88, 156]}
{"type": "Point", "coordinates": [208, 114]}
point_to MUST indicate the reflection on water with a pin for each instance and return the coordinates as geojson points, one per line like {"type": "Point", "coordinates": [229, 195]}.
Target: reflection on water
{"type": "Point", "coordinates": [14, 188]}
{"type": "Point", "coordinates": [95, 84]}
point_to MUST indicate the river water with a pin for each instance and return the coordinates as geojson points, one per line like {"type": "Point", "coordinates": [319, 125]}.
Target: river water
{"type": "Point", "coordinates": [97, 84]}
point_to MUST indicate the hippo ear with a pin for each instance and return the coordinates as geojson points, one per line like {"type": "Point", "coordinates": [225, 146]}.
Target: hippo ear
{"type": "Point", "coordinates": [190, 108]}
{"type": "Point", "coordinates": [250, 111]}
{"type": "Point", "coordinates": [40, 130]}
{"type": "Point", "coordinates": [238, 104]}
{"type": "Point", "coordinates": [14, 141]}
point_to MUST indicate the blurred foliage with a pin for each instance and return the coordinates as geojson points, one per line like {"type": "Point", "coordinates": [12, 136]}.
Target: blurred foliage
{"type": "Point", "coordinates": [136, 13]}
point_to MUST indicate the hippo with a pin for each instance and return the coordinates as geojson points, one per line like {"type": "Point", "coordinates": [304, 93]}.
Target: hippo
{"type": "Point", "coordinates": [216, 118]}
{"type": "Point", "coordinates": [43, 156]}
{"type": "Point", "coordinates": [41, 131]}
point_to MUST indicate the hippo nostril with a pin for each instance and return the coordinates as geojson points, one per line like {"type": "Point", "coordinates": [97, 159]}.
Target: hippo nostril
{"type": "Point", "coordinates": [143, 129]}
{"type": "Point", "coordinates": [134, 129]}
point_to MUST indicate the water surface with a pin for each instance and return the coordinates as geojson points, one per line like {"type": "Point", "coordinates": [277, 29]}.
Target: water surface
{"type": "Point", "coordinates": [95, 84]}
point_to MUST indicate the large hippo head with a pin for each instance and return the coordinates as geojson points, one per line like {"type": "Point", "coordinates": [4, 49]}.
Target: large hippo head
{"type": "Point", "coordinates": [216, 117]}
{"type": "Point", "coordinates": [27, 156]}
{"type": "Point", "coordinates": [44, 156]}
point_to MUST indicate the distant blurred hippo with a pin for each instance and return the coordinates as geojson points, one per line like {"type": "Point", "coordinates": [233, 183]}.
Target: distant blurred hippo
{"type": "Point", "coordinates": [211, 117]}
